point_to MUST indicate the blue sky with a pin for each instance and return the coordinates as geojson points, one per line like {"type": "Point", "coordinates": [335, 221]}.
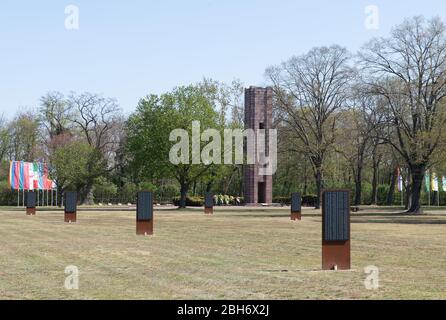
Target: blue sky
{"type": "Point", "coordinates": [127, 49]}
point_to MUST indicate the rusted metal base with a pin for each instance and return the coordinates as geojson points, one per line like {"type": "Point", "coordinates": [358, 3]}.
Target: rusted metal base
{"type": "Point", "coordinates": [30, 211]}
{"type": "Point", "coordinates": [144, 228]}
{"type": "Point", "coordinates": [209, 210]}
{"type": "Point", "coordinates": [336, 255]}
{"type": "Point", "coordinates": [296, 216]}
{"type": "Point", "coordinates": [70, 217]}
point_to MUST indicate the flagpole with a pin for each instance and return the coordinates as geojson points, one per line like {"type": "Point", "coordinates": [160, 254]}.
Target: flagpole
{"type": "Point", "coordinates": [402, 196]}
{"type": "Point", "coordinates": [18, 198]}
{"type": "Point", "coordinates": [429, 196]}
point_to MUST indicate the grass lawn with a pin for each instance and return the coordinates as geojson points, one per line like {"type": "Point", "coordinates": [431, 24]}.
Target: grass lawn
{"type": "Point", "coordinates": [235, 254]}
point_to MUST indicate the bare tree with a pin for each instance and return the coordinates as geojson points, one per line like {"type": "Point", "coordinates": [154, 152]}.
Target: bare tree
{"type": "Point", "coordinates": [54, 119]}
{"type": "Point", "coordinates": [408, 70]}
{"type": "Point", "coordinates": [309, 90]}
{"type": "Point", "coordinates": [54, 114]}
{"type": "Point", "coordinates": [96, 117]}
{"type": "Point", "coordinates": [100, 122]}
{"type": "Point", "coordinates": [354, 142]}
{"type": "Point", "coordinates": [359, 140]}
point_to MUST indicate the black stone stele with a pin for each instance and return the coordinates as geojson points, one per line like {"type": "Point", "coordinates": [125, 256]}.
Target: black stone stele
{"type": "Point", "coordinates": [209, 200]}
{"type": "Point", "coordinates": [296, 206]}
{"type": "Point", "coordinates": [31, 202]}
{"type": "Point", "coordinates": [70, 201]}
{"type": "Point", "coordinates": [144, 213]}
{"type": "Point", "coordinates": [144, 207]}
{"type": "Point", "coordinates": [209, 203]}
{"type": "Point", "coordinates": [337, 216]}
{"type": "Point", "coordinates": [31, 199]}
{"type": "Point", "coordinates": [336, 246]}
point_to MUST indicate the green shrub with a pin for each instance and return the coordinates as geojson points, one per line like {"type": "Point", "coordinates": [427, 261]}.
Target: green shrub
{"type": "Point", "coordinates": [105, 187]}
{"type": "Point", "coordinates": [190, 201]}
{"type": "Point", "coordinates": [309, 200]}
{"type": "Point", "coordinates": [165, 192]}
{"type": "Point", "coordinates": [8, 197]}
{"type": "Point", "coordinates": [383, 190]}
{"type": "Point", "coordinates": [147, 186]}
{"type": "Point", "coordinates": [128, 192]}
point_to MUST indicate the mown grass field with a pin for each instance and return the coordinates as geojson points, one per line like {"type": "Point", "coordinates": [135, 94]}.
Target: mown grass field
{"type": "Point", "coordinates": [235, 254]}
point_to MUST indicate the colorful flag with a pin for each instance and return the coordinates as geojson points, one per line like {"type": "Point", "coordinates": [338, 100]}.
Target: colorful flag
{"type": "Point", "coordinates": [40, 180]}
{"type": "Point", "coordinates": [36, 175]}
{"type": "Point", "coordinates": [29, 176]}
{"type": "Point", "coordinates": [21, 175]}
{"type": "Point", "coordinates": [434, 182]}
{"type": "Point", "coordinates": [400, 181]}
{"type": "Point", "coordinates": [16, 169]}
{"type": "Point", "coordinates": [12, 176]}
{"type": "Point", "coordinates": [46, 181]}
{"type": "Point", "coordinates": [48, 184]}
{"type": "Point", "coordinates": [26, 175]}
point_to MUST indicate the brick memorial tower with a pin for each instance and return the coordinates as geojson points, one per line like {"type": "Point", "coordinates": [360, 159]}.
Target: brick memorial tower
{"type": "Point", "coordinates": [258, 188]}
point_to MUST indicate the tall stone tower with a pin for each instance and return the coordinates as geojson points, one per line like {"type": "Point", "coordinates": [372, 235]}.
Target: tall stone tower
{"type": "Point", "coordinates": [258, 115]}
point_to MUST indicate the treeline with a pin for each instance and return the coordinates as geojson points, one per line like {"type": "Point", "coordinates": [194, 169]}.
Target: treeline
{"type": "Point", "coordinates": [344, 120]}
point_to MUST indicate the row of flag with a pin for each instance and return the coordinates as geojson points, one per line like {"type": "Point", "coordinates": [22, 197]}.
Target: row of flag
{"type": "Point", "coordinates": [431, 182]}
{"type": "Point", "coordinates": [29, 176]}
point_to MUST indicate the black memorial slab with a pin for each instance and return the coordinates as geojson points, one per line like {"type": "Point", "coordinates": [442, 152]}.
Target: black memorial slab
{"type": "Point", "coordinates": [336, 210]}
{"type": "Point", "coordinates": [209, 200]}
{"type": "Point", "coordinates": [70, 201]}
{"type": "Point", "coordinates": [296, 202]}
{"type": "Point", "coordinates": [31, 199]}
{"type": "Point", "coordinates": [144, 206]}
